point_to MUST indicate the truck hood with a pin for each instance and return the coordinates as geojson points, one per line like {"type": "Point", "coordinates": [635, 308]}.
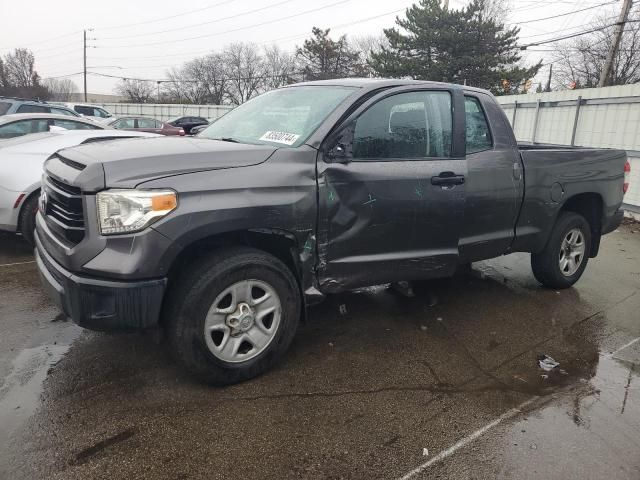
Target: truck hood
{"type": "Point", "coordinates": [129, 162]}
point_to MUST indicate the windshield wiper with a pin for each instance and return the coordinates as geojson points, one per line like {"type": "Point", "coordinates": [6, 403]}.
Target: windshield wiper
{"type": "Point", "coordinates": [228, 139]}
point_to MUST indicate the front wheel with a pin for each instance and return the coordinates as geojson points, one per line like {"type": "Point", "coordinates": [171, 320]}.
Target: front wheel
{"type": "Point", "coordinates": [28, 219]}
{"type": "Point", "coordinates": [565, 257]}
{"type": "Point", "coordinates": [233, 316]}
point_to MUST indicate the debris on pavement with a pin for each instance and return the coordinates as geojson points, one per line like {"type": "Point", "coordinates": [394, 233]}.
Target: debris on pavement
{"type": "Point", "coordinates": [403, 288]}
{"type": "Point", "coordinates": [425, 452]}
{"type": "Point", "coordinates": [547, 363]}
{"type": "Point", "coordinates": [343, 309]}
{"type": "Point", "coordinates": [423, 328]}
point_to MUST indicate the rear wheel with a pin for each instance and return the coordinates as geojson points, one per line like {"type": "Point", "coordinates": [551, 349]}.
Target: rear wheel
{"type": "Point", "coordinates": [233, 317]}
{"type": "Point", "coordinates": [565, 257]}
{"type": "Point", "coordinates": [28, 219]}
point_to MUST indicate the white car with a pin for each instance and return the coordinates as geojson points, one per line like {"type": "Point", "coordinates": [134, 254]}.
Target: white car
{"type": "Point", "coordinates": [21, 161]}
{"type": "Point", "coordinates": [92, 111]}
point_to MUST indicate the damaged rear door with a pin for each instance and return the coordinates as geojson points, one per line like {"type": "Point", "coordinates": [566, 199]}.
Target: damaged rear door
{"type": "Point", "coordinates": [391, 190]}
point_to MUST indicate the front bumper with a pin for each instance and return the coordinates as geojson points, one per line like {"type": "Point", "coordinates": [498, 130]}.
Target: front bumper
{"type": "Point", "coordinates": [98, 304]}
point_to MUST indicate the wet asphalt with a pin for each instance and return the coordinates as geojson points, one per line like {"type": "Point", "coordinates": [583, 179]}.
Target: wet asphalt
{"type": "Point", "coordinates": [377, 385]}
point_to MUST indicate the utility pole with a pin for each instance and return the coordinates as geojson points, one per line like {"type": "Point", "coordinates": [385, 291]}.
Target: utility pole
{"type": "Point", "coordinates": [617, 35]}
{"type": "Point", "coordinates": [548, 89]}
{"type": "Point", "coordinates": [85, 64]}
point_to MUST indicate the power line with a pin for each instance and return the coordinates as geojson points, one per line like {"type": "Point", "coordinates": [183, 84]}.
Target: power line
{"type": "Point", "coordinates": [290, 37]}
{"type": "Point", "coordinates": [566, 37]}
{"type": "Point", "coordinates": [570, 28]}
{"type": "Point", "coordinates": [247, 12]}
{"type": "Point", "coordinates": [113, 27]}
{"type": "Point", "coordinates": [565, 14]}
{"type": "Point", "coordinates": [340, 2]}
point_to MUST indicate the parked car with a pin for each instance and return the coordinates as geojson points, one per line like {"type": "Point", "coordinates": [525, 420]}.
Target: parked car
{"type": "Point", "coordinates": [306, 191]}
{"type": "Point", "coordinates": [21, 172]}
{"type": "Point", "coordinates": [19, 124]}
{"type": "Point", "coordinates": [9, 105]}
{"type": "Point", "coordinates": [187, 123]}
{"type": "Point", "coordinates": [145, 124]}
{"type": "Point", "coordinates": [86, 110]}
{"type": "Point", "coordinates": [198, 129]}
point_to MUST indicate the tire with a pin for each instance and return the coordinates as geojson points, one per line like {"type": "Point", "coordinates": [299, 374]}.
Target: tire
{"type": "Point", "coordinates": [191, 309]}
{"type": "Point", "coordinates": [548, 266]}
{"type": "Point", "coordinates": [27, 220]}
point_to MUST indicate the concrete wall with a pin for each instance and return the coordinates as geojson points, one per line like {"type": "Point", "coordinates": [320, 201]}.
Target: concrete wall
{"type": "Point", "coordinates": [607, 117]}
{"type": "Point", "coordinates": [165, 111]}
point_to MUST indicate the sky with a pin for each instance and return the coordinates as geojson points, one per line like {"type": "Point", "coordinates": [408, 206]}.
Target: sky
{"type": "Point", "coordinates": [135, 39]}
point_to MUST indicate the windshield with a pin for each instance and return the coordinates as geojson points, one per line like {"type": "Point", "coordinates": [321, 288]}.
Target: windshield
{"type": "Point", "coordinates": [285, 117]}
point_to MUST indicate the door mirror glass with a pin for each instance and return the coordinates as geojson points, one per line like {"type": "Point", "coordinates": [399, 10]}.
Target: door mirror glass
{"type": "Point", "coordinates": [340, 148]}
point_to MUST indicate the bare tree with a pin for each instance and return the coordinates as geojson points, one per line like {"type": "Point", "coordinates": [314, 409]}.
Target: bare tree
{"type": "Point", "coordinates": [579, 63]}
{"type": "Point", "coordinates": [60, 90]}
{"type": "Point", "coordinates": [19, 66]}
{"type": "Point", "coordinates": [201, 80]}
{"type": "Point", "coordinates": [279, 67]}
{"type": "Point", "coordinates": [498, 10]}
{"type": "Point", "coordinates": [137, 91]}
{"type": "Point", "coordinates": [245, 72]}
{"type": "Point", "coordinates": [368, 45]}
{"type": "Point", "coordinates": [19, 77]}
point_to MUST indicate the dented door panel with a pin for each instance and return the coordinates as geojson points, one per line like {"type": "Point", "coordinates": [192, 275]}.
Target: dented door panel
{"type": "Point", "coordinates": [385, 221]}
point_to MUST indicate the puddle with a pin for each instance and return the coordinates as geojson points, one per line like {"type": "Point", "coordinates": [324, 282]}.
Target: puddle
{"type": "Point", "coordinates": [21, 390]}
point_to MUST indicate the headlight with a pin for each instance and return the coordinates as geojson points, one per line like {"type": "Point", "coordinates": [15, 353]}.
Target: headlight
{"type": "Point", "coordinates": [126, 211]}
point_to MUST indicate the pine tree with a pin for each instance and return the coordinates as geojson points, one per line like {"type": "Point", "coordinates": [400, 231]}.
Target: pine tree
{"type": "Point", "coordinates": [323, 58]}
{"type": "Point", "coordinates": [457, 46]}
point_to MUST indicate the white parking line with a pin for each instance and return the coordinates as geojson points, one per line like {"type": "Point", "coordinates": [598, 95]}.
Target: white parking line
{"type": "Point", "coordinates": [17, 263]}
{"type": "Point", "coordinates": [623, 347]}
{"type": "Point", "coordinates": [469, 438]}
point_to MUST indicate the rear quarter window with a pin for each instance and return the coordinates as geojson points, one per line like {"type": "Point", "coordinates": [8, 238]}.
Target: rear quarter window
{"type": "Point", "coordinates": [4, 107]}
{"type": "Point", "coordinates": [478, 134]}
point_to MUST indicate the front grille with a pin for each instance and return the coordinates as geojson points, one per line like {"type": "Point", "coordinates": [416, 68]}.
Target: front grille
{"type": "Point", "coordinates": [63, 210]}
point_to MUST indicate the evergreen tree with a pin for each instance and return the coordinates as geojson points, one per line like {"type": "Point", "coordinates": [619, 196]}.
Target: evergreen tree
{"type": "Point", "coordinates": [457, 46]}
{"type": "Point", "coordinates": [323, 58]}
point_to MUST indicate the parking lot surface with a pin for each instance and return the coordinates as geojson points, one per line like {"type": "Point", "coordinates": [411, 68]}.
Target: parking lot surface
{"type": "Point", "coordinates": [377, 385]}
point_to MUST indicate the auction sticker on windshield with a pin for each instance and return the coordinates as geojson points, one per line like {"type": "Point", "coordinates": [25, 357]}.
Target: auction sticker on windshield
{"type": "Point", "coordinates": [280, 137]}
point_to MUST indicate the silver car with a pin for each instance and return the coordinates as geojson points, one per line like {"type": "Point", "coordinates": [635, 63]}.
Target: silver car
{"type": "Point", "coordinates": [21, 171]}
{"type": "Point", "coordinates": [19, 124]}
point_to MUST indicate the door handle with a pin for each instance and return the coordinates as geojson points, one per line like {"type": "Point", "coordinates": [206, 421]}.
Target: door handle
{"type": "Point", "coordinates": [446, 179]}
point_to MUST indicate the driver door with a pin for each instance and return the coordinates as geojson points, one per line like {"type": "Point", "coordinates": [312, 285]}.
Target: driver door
{"type": "Point", "coordinates": [391, 190]}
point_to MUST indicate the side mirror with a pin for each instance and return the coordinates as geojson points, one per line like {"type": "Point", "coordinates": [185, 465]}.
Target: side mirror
{"type": "Point", "coordinates": [340, 146]}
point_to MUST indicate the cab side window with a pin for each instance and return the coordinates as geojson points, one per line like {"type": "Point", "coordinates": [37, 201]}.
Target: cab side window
{"type": "Point", "coordinates": [410, 125]}
{"type": "Point", "coordinates": [478, 135]}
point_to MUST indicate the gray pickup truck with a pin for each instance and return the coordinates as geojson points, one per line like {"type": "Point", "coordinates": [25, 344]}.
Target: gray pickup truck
{"type": "Point", "coordinates": [224, 239]}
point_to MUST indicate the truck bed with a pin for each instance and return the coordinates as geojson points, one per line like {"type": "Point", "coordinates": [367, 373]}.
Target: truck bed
{"type": "Point", "coordinates": [554, 173]}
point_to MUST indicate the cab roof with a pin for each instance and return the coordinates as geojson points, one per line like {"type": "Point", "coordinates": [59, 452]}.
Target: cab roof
{"type": "Point", "coordinates": [375, 83]}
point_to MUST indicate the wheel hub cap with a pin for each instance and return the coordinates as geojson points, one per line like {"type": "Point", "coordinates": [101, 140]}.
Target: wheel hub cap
{"type": "Point", "coordinates": [242, 320]}
{"type": "Point", "coordinates": [571, 252]}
